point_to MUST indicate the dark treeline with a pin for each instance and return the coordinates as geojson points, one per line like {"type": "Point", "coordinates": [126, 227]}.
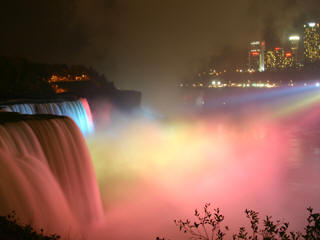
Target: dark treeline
{"type": "Point", "coordinates": [23, 79]}
{"type": "Point", "coordinates": [20, 79]}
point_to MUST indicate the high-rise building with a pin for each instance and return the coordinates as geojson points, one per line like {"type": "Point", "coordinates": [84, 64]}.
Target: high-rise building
{"type": "Point", "coordinates": [289, 60]}
{"type": "Point", "coordinates": [294, 41]}
{"type": "Point", "coordinates": [278, 59]}
{"type": "Point", "coordinates": [256, 56]}
{"type": "Point", "coordinates": [312, 42]}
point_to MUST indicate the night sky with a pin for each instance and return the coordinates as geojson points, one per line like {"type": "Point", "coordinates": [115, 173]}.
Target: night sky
{"type": "Point", "coordinates": [147, 45]}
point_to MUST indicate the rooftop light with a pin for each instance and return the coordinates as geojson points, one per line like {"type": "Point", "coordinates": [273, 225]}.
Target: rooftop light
{"type": "Point", "coordinates": [312, 24]}
{"type": "Point", "coordinates": [294, 38]}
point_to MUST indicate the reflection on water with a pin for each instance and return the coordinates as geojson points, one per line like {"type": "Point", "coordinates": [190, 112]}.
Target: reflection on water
{"type": "Point", "coordinates": [303, 165]}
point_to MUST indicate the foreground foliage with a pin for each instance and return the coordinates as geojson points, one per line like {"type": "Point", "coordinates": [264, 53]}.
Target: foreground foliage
{"type": "Point", "coordinates": [11, 230]}
{"type": "Point", "coordinates": [208, 226]}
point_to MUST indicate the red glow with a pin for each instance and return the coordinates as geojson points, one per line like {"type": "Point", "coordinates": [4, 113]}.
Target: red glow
{"type": "Point", "coordinates": [254, 53]}
{"type": "Point", "coordinates": [288, 54]}
{"type": "Point", "coordinates": [262, 43]}
{"type": "Point", "coordinates": [277, 48]}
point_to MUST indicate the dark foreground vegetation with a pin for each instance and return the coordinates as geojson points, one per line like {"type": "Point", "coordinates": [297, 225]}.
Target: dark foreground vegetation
{"type": "Point", "coordinates": [11, 230]}
{"type": "Point", "coordinates": [208, 225]}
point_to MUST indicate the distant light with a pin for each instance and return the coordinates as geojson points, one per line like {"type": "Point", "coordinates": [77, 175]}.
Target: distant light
{"type": "Point", "coordinates": [255, 53]}
{"type": "Point", "coordinates": [317, 84]}
{"type": "Point", "coordinates": [288, 54]}
{"type": "Point", "coordinates": [199, 101]}
{"type": "Point", "coordinates": [277, 48]}
{"type": "Point", "coordinates": [255, 43]}
{"type": "Point", "coordinates": [262, 43]}
{"type": "Point", "coordinates": [294, 38]}
{"type": "Point", "coordinates": [213, 82]}
{"type": "Point", "coordinates": [219, 82]}
{"type": "Point", "coordinates": [312, 24]}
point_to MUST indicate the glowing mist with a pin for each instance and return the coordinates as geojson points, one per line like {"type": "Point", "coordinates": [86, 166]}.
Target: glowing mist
{"type": "Point", "coordinates": [152, 172]}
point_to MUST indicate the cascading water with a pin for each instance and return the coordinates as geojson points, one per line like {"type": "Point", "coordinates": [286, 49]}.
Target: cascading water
{"type": "Point", "coordinates": [46, 174]}
{"type": "Point", "coordinates": [79, 111]}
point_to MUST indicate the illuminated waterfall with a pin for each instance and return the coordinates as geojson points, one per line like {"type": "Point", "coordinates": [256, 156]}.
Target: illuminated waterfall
{"type": "Point", "coordinates": [79, 111]}
{"type": "Point", "coordinates": [46, 173]}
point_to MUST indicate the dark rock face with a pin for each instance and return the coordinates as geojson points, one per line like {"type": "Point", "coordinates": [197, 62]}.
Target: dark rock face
{"type": "Point", "coordinates": [17, 117]}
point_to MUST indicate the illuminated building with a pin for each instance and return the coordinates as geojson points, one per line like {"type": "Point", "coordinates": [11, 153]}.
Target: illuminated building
{"type": "Point", "coordinates": [278, 59]}
{"type": "Point", "coordinates": [294, 41]}
{"type": "Point", "coordinates": [312, 42]}
{"type": "Point", "coordinates": [256, 56]}
{"type": "Point", "coordinates": [68, 78]}
{"type": "Point", "coordinates": [55, 79]}
{"type": "Point", "coordinates": [289, 60]}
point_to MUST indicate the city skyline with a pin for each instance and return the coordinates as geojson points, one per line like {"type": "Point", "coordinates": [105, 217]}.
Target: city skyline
{"type": "Point", "coordinates": [300, 51]}
{"type": "Point", "coordinates": [297, 50]}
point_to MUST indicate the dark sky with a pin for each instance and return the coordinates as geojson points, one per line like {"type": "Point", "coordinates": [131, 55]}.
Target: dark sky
{"type": "Point", "coordinates": [147, 45]}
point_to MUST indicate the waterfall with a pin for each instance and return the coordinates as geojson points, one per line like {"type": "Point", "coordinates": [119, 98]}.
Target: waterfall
{"type": "Point", "coordinates": [46, 174]}
{"type": "Point", "coordinates": [79, 111]}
